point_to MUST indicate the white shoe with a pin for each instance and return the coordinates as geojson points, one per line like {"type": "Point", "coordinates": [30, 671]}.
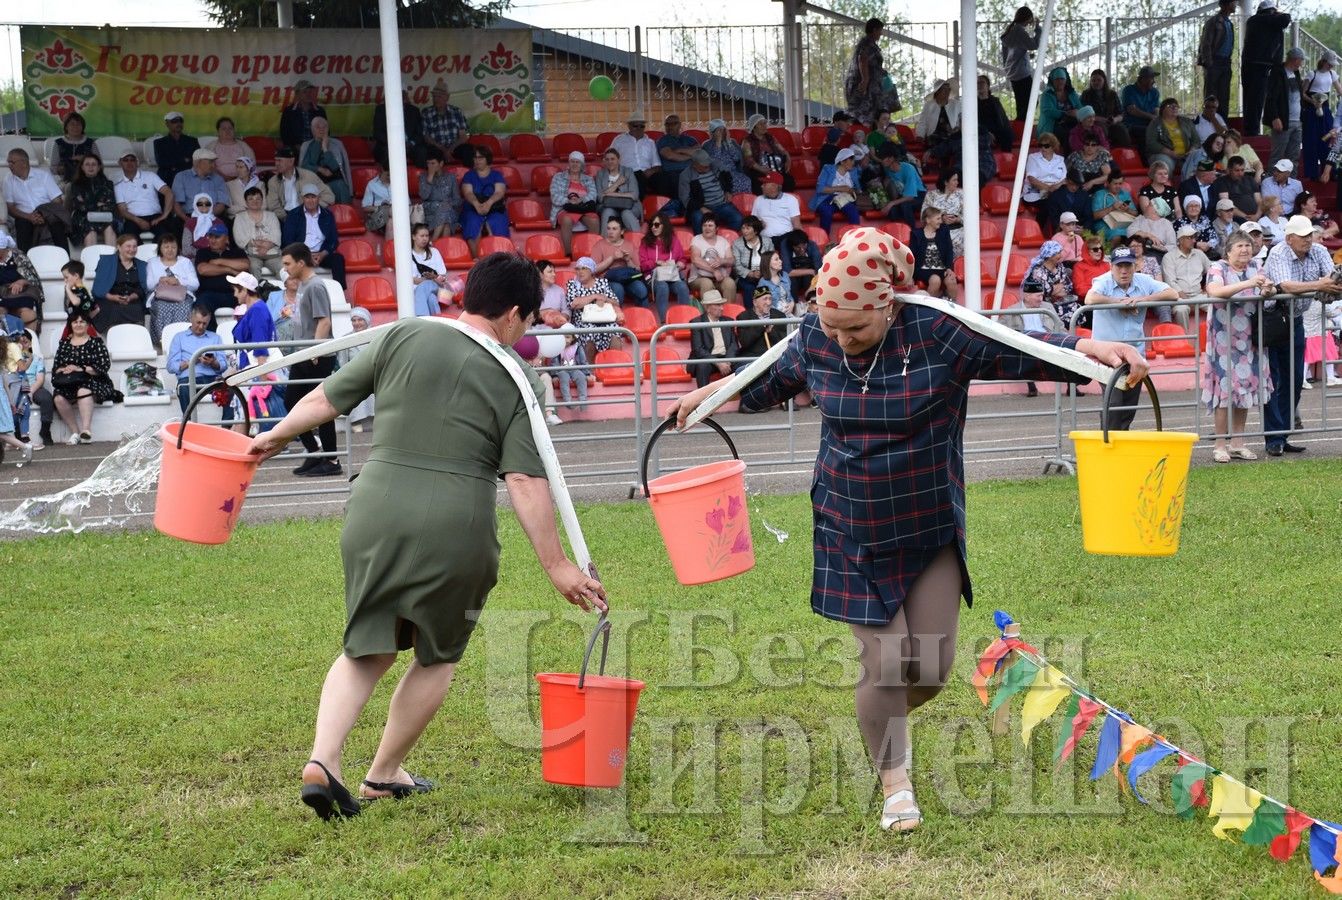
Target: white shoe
{"type": "Point", "coordinates": [73, 439]}
{"type": "Point", "coordinates": [1307, 385]}
{"type": "Point", "coordinates": [553, 418]}
{"type": "Point", "coordinates": [1334, 381]}
{"type": "Point", "coordinates": [900, 819]}
{"type": "Point", "coordinates": [36, 444]}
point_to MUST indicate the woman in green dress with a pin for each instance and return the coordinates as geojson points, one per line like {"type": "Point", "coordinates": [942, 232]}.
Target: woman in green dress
{"type": "Point", "coordinates": [419, 544]}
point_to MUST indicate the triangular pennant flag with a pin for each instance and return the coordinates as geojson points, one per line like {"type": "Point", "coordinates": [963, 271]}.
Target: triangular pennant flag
{"type": "Point", "coordinates": [1014, 680]}
{"type": "Point", "coordinates": [1190, 775]}
{"type": "Point", "coordinates": [1283, 846]}
{"type": "Point", "coordinates": [1232, 806]}
{"type": "Point", "coordinates": [1084, 714]}
{"type": "Point", "coordinates": [991, 661]}
{"type": "Point", "coordinates": [1133, 738]}
{"type": "Point", "coordinates": [1269, 822]}
{"type": "Point", "coordinates": [1143, 762]}
{"type": "Point", "coordinates": [1323, 846]}
{"type": "Point", "coordinates": [1108, 749]}
{"type": "Point", "coordinates": [1331, 883]}
{"type": "Point", "coordinates": [1046, 692]}
{"type": "Point", "coordinates": [1073, 707]}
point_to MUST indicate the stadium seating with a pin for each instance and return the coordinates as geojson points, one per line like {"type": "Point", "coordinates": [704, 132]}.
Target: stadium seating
{"type": "Point", "coordinates": [732, 310]}
{"type": "Point", "coordinates": [361, 176]}
{"type": "Point", "coordinates": [546, 246]}
{"type": "Point", "coordinates": [489, 141]}
{"type": "Point", "coordinates": [89, 256]}
{"type": "Point", "coordinates": [527, 148]}
{"type": "Point", "coordinates": [374, 293]}
{"type": "Point", "coordinates": [512, 180]}
{"type": "Point", "coordinates": [990, 235]}
{"type": "Point", "coordinates": [805, 171]}
{"type": "Point", "coordinates": [640, 320]}
{"type": "Point", "coordinates": [1169, 342]}
{"type": "Point", "coordinates": [359, 256]}
{"type": "Point", "coordinates": [988, 272]}
{"type": "Point", "coordinates": [616, 376]}
{"type": "Point", "coordinates": [743, 202]}
{"type": "Point", "coordinates": [494, 244]}
{"type": "Point", "coordinates": [566, 142]}
{"type": "Point", "coordinates": [541, 176]}
{"type": "Point", "coordinates": [389, 254]}
{"type": "Point", "coordinates": [679, 314]}
{"type": "Point", "coordinates": [670, 365]}
{"type": "Point", "coordinates": [604, 140]}
{"type": "Point", "coordinates": [359, 148]}
{"type": "Point", "coordinates": [348, 219]}
{"type": "Point", "coordinates": [110, 150]}
{"type": "Point", "coordinates": [527, 215]}
{"type": "Point", "coordinates": [263, 146]}
{"type": "Point", "coordinates": [813, 138]}
{"type": "Point", "coordinates": [898, 230]}
{"type": "Point", "coordinates": [784, 137]}
{"type": "Point", "coordinates": [456, 252]}
{"type": "Point", "coordinates": [995, 198]}
{"type": "Point", "coordinates": [819, 235]}
{"type": "Point", "coordinates": [1028, 233]}
{"type": "Point", "coordinates": [700, 136]}
{"type": "Point", "coordinates": [583, 242]}
{"type": "Point", "coordinates": [1129, 162]}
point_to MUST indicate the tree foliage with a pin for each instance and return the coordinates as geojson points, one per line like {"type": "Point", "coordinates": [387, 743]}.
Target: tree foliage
{"type": "Point", "coordinates": [1326, 27]}
{"type": "Point", "coordinates": [357, 13]}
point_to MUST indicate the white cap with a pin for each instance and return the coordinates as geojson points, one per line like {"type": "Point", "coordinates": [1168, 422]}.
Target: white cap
{"type": "Point", "coordinates": [1224, 204]}
{"type": "Point", "coordinates": [173, 114]}
{"type": "Point", "coordinates": [1186, 231]}
{"type": "Point", "coordinates": [245, 280]}
{"type": "Point", "coordinates": [1066, 218]}
{"type": "Point", "coordinates": [1284, 165]}
{"type": "Point", "coordinates": [845, 153]}
{"type": "Point", "coordinates": [1250, 226]}
{"type": "Point", "coordinates": [577, 156]}
{"type": "Point", "coordinates": [1300, 226]}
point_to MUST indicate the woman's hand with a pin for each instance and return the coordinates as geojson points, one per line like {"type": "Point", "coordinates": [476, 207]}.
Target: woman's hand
{"type": "Point", "coordinates": [577, 587]}
{"type": "Point", "coordinates": [1114, 353]}
{"type": "Point", "coordinates": [682, 406]}
{"type": "Point", "coordinates": [267, 444]}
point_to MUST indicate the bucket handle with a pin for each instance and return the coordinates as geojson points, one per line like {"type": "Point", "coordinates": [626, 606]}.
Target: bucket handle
{"type": "Point", "coordinates": [602, 628]}
{"type": "Point", "coordinates": [201, 395]}
{"type": "Point", "coordinates": [1121, 372]}
{"type": "Point", "coordinates": [670, 422]}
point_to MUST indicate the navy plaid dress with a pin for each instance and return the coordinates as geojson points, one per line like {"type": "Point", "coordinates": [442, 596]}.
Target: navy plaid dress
{"type": "Point", "coordinates": [889, 486]}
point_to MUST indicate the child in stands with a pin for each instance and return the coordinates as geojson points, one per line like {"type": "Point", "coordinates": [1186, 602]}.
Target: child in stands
{"type": "Point", "coordinates": [77, 296]}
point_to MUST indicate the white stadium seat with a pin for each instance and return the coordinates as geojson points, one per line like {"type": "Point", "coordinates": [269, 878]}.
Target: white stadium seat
{"type": "Point", "coordinates": [148, 155]}
{"type": "Point", "coordinates": [48, 260]}
{"type": "Point", "coordinates": [130, 342]}
{"type": "Point", "coordinates": [111, 149]}
{"type": "Point", "coordinates": [171, 331]}
{"type": "Point", "coordinates": [89, 256]}
{"type": "Point", "coordinates": [146, 251]}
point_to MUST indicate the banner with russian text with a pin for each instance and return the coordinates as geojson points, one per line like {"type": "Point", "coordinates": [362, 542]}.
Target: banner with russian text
{"type": "Point", "coordinates": [122, 80]}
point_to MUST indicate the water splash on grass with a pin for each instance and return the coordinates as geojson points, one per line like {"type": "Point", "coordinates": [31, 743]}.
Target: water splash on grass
{"type": "Point", "coordinates": [754, 493]}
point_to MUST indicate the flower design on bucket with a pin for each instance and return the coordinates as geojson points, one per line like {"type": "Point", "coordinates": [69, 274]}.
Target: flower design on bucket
{"type": "Point", "coordinates": [742, 542]}
{"type": "Point", "coordinates": [734, 505]}
{"type": "Point", "coordinates": [615, 759]}
{"type": "Point", "coordinates": [714, 520]}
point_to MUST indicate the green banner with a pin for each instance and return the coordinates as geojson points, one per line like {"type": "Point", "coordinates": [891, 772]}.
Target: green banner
{"type": "Point", "coordinates": [122, 80]}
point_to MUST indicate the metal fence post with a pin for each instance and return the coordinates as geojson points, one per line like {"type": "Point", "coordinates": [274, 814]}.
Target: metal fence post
{"type": "Point", "coordinates": [638, 65]}
{"type": "Point", "coordinates": [1109, 45]}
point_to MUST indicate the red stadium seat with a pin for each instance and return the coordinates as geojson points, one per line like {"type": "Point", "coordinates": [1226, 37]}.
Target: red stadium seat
{"type": "Point", "coordinates": [988, 271]}
{"type": "Point", "coordinates": [349, 221]}
{"type": "Point", "coordinates": [1018, 129]}
{"type": "Point", "coordinates": [898, 230]}
{"type": "Point", "coordinates": [374, 293]}
{"type": "Point", "coordinates": [683, 236]}
{"type": "Point", "coordinates": [990, 235]}
{"type": "Point", "coordinates": [528, 215]}
{"type": "Point", "coordinates": [1016, 268]}
{"type": "Point", "coordinates": [389, 254]}
{"type": "Point", "coordinates": [843, 229]}
{"type": "Point", "coordinates": [737, 134]}
{"type": "Point", "coordinates": [1083, 332]}
{"type": "Point", "coordinates": [805, 171]}
{"type": "Point", "coordinates": [488, 140]}
{"type": "Point", "coordinates": [670, 365]}
{"type": "Point", "coordinates": [784, 137]}
{"type": "Point", "coordinates": [653, 202]}
{"type": "Point", "coordinates": [546, 246]}
{"type": "Point", "coordinates": [456, 252]}
{"type": "Point", "coordinates": [727, 233]}
{"type": "Point", "coordinates": [1006, 165]}
{"type": "Point", "coordinates": [527, 148]}
{"type": "Point", "coordinates": [732, 310]}
{"type": "Point", "coordinates": [1129, 162]}
{"type": "Point", "coordinates": [1170, 343]}
{"type": "Point", "coordinates": [566, 142]}
{"type": "Point", "coordinates": [1028, 234]}
{"type": "Point", "coordinates": [583, 242]}
{"type": "Point", "coordinates": [604, 140]}
{"type": "Point", "coordinates": [412, 174]}
{"type": "Point", "coordinates": [359, 256]}
{"type": "Point", "coordinates": [655, 135]}
{"type": "Point", "coordinates": [640, 320]}
{"type": "Point", "coordinates": [541, 176]}
{"type": "Point", "coordinates": [512, 181]}
{"type": "Point", "coordinates": [263, 146]}
{"type": "Point", "coordinates": [494, 244]}
{"type": "Point", "coordinates": [996, 198]}
{"type": "Point", "coordinates": [743, 202]}
{"type": "Point", "coordinates": [1009, 299]}
{"type": "Point", "coordinates": [813, 138]}
{"type": "Point", "coordinates": [564, 276]}
{"type": "Point", "coordinates": [362, 175]}
{"type": "Point", "coordinates": [679, 314]}
{"type": "Point", "coordinates": [906, 133]}
{"type": "Point", "coordinates": [818, 234]}
{"type": "Point", "coordinates": [360, 149]}
{"type": "Point", "coordinates": [700, 136]}
{"type": "Point", "coordinates": [622, 375]}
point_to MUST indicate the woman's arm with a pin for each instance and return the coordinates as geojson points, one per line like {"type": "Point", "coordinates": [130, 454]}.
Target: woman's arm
{"type": "Point", "coordinates": [531, 501]}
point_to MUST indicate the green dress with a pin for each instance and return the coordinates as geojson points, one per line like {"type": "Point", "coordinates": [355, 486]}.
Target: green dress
{"type": "Point", "coordinates": [419, 543]}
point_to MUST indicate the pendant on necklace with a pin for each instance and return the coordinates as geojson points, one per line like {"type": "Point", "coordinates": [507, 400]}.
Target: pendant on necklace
{"type": "Point", "coordinates": [865, 387]}
{"type": "Point", "coordinates": [905, 373]}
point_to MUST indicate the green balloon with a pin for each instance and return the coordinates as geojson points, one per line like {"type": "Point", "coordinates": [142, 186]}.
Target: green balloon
{"type": "Point", "coordinates": [601, 88]}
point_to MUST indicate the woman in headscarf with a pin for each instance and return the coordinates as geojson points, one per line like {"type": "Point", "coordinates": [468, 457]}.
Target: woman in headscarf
{"type": "Point", "coordinates": [726, 155]}
{"type": "Point", "coordinates": [891, 382]}
{"type": "Point", "coordinates": [198, 223]}
{"type": "Point", "coordinates": [761, 154]}
{"type": "Point", "coordinates": [360, 319]}
{"type": "Point", "coordinates": [1047, 270]}
{"type": "Point", "coordinates": [246, 180]}
{"type": "Point", "coordinates": [1058, 106]}
{"type": "Point", "coordinates": [328, 157]}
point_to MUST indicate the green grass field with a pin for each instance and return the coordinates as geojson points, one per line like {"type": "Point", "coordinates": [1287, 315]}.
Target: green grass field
{"type": "Point", "coordinates": [158, 701]}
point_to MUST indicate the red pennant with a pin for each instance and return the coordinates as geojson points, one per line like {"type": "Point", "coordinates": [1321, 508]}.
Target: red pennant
{"type": "Point", "coordinates": [1198, 792]}
{"type": "Point", "coordinates": [992, 658]}
{"type": "Point", "coordinates": [1086, 710]}
{"type": "Point", "coordinates": [1284, 845]}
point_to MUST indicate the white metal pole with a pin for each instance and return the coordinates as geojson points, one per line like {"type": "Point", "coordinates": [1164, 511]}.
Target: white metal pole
{"type": "Point", "coordinates": [1019, 183]}
{"type": "Point", "coordinates": [400, 176]}
{"type": "Point", "coordinates": [972, 290]}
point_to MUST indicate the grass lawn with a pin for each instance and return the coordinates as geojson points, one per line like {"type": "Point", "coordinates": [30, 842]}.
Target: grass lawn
{"type": "Point", "coordinates": [158, 701]}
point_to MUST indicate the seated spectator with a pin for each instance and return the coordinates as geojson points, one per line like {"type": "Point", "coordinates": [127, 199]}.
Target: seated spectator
{"type": "Point", "coordinates": [674, 149]}
{"type": "Point", "coordinates": [201, 178]}
{"type": "Point", "coordinates": [244, 180]}
{"type": "Point", "coordinates": [704, 189]}
{"type": "Point", "coordinates": [1235, 146]}
{"type": "Point", "coordinates": [1045, 170]}
{"type": "Point", "coordinates": [175, 151]}
{"type": "Point", "coordinates": [1112, 208]}
{"type": "Point", "coordinates": [282, 190]}
{"type": "Point", "coordinates": [753, 340]}
{"type": "Point", "coordinates": [257, 232]}
{"type": "Point", "coordinates": [747, 251]}
{"type": "Point", "coordinates": [200, 219]}
{"type": "Point", "coordinates": [1255, 233]}
{"type": "Point", "coordinates": [762, 156]}
{"type": "Point", "coordinates": [1100, 97]}
{"type": "Point", "coordinates": [950, 199]}
{"type": "Point", "coordinates": [376, 201]}
{"type": "Point", "coordinates": [228, 149]}
{"type": "Point", "coordinates": [35, 204]}
{"type": "Point", "coordinates": [1030, 313]}
{"type": "Point", "coordinates": [1069, 237]}
{"type": "Point", "coordinates": [1307, 205]}
{"type": "Point", "coordinates": [776, 279]}
{"type": "Point", "coordinates": [1088, 125]}
{"type": "Point", "coordinates": [445, 129]}
{"type": "Point", "coordinates": [1090, 266]}
{"type": "Point", "coordinates": [1158, 187]}
{"type": "Point", "coordinates": [1058, 106]}
{"type": "Point", "coordinates": [639, 152]}
{"type": "Point", "coordinates": [1183, 269]}
{"type": "Point", "coordinates": [72, 145]}
{"type": "Point", "coordinates": [432, 283]}
{"type": "Point", "coordinates": [662, 260]}
{"type": "Point", "coordinates": [1210, 121]}
{"type": "Point", "coordinates": [573, 200]}
{"type": "Point", "coordinates": [20, 285]}
{"type": "Point", "coordinates": [726, 156]}
{"type": "Point", "coordinates": [296, 119]}
{"type": "Point", "coordinates": [1158, 228]}
{"type": "Point", "coordinates": [616, 260]}
{"type": "Point", "coordinates": [1240, 188]}
{"type": "Point", "coordinates": [1272, 221]}
{"type": "Point", "coordinates": [91, 200]}
{"type": "Point", "coordinates": [79, 377]}
{"type": "Point", "coordinates": [554, 312]}
{"type": "Point", "coordinates": [145, 204]}
{"type": "Point", "coordinates": [778, 212]}
{"type": "Point", "coordinates": [1056, 279]}
{"type": "Point", "coordinates": [711, 261]}
{"type": "Point", "coordinates": [412, 130]}
{"type": "Point", "coordinates": [712, 346]}
{"type": "Point", "coordinates": [1203, 233]}
{"type": "Point", "coordinates": [904, 184]}
{"type": "Point", "coordinates": [327, 156]}
{"type": "Point", "coordinates": [939, 123]}
{"type": "Point", "coordinates": [1141, 106]}
{"type": "Point", "coordinates": [1224, 225]}
{"type": "Point", "coordinates": [315, 227]}
{"type": "Point", "coordinates": [836, 191]}
{"type": "Point", "coordinates": [119, 286]}
{"type": "Point", "coordinates": [617, 192]}
{"type": "Point", "coordinates": [77, 296]}
{"type": "Point", "coordinates": [215, 263]}
{"type": "Point", "coordinates": [209, 366]}
{"type": "Point", "coordinates": [256, 325]}
{"type": "Point", "coordinates": [993, 119]}
{"type": "Point", "coordinates": [1212, 151]}
{"type": "Point", "coordinates": [1069, 197]}
{"type": "Point", "coordinates": [585, 290]}
{"type": "Point", "coordinates": [934, 256]}
{"type": "Point", "coordinates": [172, 283]}
{"type": "Point", "coordinates": [837, 136]}
{"type": "Point", "coordinates": [30, 371]}
{"type": "Point", "coordinates": [483, 207]}
{"type": "Point", "coordinates": [800, 258]}
{"type": "Point", "coordinates": [1138, 245]}
{"type": "Point", "coordinates": [1282, 186]}
{"type": "Point", "coordinates": [1170, 137]}
{"type": "Point", "coordinates": [439, 194]}
{"type": "Point", "coordinates": [1092, 162]}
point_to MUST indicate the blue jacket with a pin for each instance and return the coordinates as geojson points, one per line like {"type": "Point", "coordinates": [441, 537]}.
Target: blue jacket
{"type": "Point", "coordinates": [1049, 110]}
{"type": "Point", "coordinates": [105, 275]}
{"type": "Point", "coordinates": [825, 180]}
{"type": "Point", "coordinates": [295, 227]}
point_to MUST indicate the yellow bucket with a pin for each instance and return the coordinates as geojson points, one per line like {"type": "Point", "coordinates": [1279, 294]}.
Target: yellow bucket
{"type": "Point", "coordinates": [1132, 484]}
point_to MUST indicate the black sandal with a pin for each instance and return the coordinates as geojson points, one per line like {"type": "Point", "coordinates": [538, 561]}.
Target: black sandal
{"type": "Point", "coordinates": [398, 791]}
{"type": "Point", "coordinates": [329, 800]}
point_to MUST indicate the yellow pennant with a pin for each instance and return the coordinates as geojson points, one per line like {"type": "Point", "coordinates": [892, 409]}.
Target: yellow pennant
{"type": "Point", "coordinates": [1232, 805]}
{"type": "Point", "coordinates": [1041, 699]}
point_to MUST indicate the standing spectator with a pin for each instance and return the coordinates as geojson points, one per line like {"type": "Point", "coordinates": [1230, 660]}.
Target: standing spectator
{"type": "Point", "coordinates": [1215, 49]}
{"type": "Point", "coordinates": [1112, 207]}
{"type": "Point", "coordinates": [992, 117]}
{"type": "Point", "coordinates": [747, 252]}
{"type": "Point", "coordinates": [1045, 170]}
{"type": "Point", "coordinates": [616, 260]}
{"type": "Point", "coordinates": [711, 261]}
{"type": "Point", "coordinates": [257, 232]}
{"type": "Point", "coordinates": [573, 200]}
{"type": "Point", "coordinates": [247, 178]}
{"type": "Point", "coordinates": [663, 261]}
{"type": "Point", "coordinates": [1018, 42]}
{"type": "Point", "coordinates": [1100, 97]}
{"type": "Point", "coordinates": [1321, 324]}
{"type": "Point", "coordinates": [414, 145]}
{"type": "Point", "coordinates": [79, 377]}
{"type": "Point", "coordinates": [1240, 188]}
{"type": "Point", "coordinates": [726, 155]}
{"type": "Point", "coordinates": [1235, 146]}
{"type": "Point", "coordinates": [674, 149]}
{"type": "Point", "coordinates": [72, 145]}
{"type": "Point", "coordinates": [227, 148]}
{"type": "Point", "coordinates": [1047, 270]}
{"type": "Point", "coordinates": [1170, 138]}
{"type": "Point", "coordinates": [175, 151]}
{"type": "Point", "coordinates": [1125, 285]}
{"type": "Point", "coordinates": [1296, 266]}
{"type": "Point", "coordinates": [1317, 115]}
{"type": "Point", "coordinates": [754, 340]}
{"type": "Point", "coordinates": [214, 264]}
{"type": "Point", "coordinates": [376, 200]}
{"type": "Point", "coordinates": [328, 157]}
{"type": "Point", "coordinates": [705, 190]}
{"type": "Point", "coordinates": [315, 228]}
{"type": "Point", "coordinates": [714, 346]}
{"type": "Point", "coordinates": [617, 192]}
{"type": "Point", "coordinates": [256, 326]}
{"type": "Point", "coordinates": [1158, 187]}
{"type": "Point", "coordinates": [172, 283]}
{"type": "Point", "coordinates": [1282, 106]}
{"type": "Point", "coordinates": [763, 156]}
{"type": "Point", "coordinates": [1210, 121]}
{"type": "Point", "coordinates": [20, 285]}
{"type": "Point", "coordinates": [639, 152]}
{"type": "Point", "coordinates": [209, 366]}
{"type": "Point", "coordinates": [1282, 186]}
{"type": "Point", "coordinates": [313, 316]}
{"type": "Point", "coordinates": [439, 194]}
{"type": "Point", "coordinates": [445, 127]}
{"type": "Point", "coordinates": [939, 122]}
{"type": "Point", "coordinates": [836, 191]}
{"type": "Point", "coordinates": [200, 179]}
{"type": "Point", "coordinates": [950, 199]}
{"type": "Point", "coordinates": [1183, 269]}
{"type": "Point", "coordinates": [482, 193]}
{"type": "Point", "coordinates": [296, 119]}
{"type": "Point", "coordinates": [1233, 380]}
{"type": "Point", "coordinates": [1058, 106]}
{"type": "Point", "coordinates": [1261, 50]}
{"type": "Point", "coordinates": [283, 189]}
{"type": "Point", "coordinates": [119, 285]}
{"type": "Point", "coordinates": [89, 197]}
{"type": "Point", "coordinates": [34, 202]}
{"type": "Point", "coordinates": [779, 212]}
{"type": "Point", "coordinates": [933, 256]}
{"type": "Point", "coordinates": [867, 88]}
{"type": "Point", "coordinates": [1141, 104]}
{"type": "Point", "coordinates": [144, 203]}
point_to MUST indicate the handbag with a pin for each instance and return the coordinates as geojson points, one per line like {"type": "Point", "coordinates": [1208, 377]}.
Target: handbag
{"type": "Point", "coordinates": [666, 270]}
{"type": "Point", "coordinates": [617, 202]}
{"type": "Point", "coordinates": [1273, 326]}
{"type": "Point", "coordinates": [62, 380]}
{"type": "Point", "coordinates": [174, 293]}
{"type": "Point", "coordinates": [1119, 219]}
{"type": "Point", "coordinates": [586, 206]}
{"type": "Point", "coordinates": [599, 314]}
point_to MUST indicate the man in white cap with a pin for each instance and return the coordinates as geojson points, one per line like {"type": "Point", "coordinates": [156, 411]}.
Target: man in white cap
{"type": "Point", "coordinates": [638, 151]}
{"type": "Point", "coordinates": [1183, 269]}
{"type": "Point", "coordinates": [172, 151]}
{"type": "Point", "coordinates": [313, 225]}
{"type": "Point", "coordinates": [1281, 106]}
{"type": "Point", "coordinates": [296, 119]}
{"type": "Point", "coordinates": [1224, 225]}
{"type": "Point", "coordinates": [1297, 266]}
{"type": "Point", "coordinates": [445, 125]}
{"type": "Point", "coordinates": [1261, 50]}
{"type": "Point", "coordinates": [714, 345]}
{"type": "Point", "coordinates": [143, 202]}
{"type": "Point", "coordinates": [1282, 185]}
{"type": "Point", "coordinates": [201, 178]}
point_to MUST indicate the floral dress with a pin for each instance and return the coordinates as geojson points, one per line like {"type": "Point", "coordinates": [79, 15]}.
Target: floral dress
{"type": "Point", "coordinates": [1067, 304]}
{"type": "Point", "coordinates": [441, 201]}
{"type": "Point", "coordinates": [575, 290]}
{"type": "Point", "coordinates": [93, 352]}
{"type": "Point", "coordinates": [1090, 168]}
{"type": "Point", "coordinates": [1233, 375]}
{"type": "Point", "coordinates": [880, 95]}
{"type": "Point", "coordinates": [726, 157]}
{"type": "Point", "coordinates": [96, 195]}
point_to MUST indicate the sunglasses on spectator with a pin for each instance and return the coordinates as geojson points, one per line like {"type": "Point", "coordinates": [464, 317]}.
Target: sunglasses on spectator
{"type": "Point", "coordinates": [656, 224]}
{"type": "Point", "coordinates": [204, 205]}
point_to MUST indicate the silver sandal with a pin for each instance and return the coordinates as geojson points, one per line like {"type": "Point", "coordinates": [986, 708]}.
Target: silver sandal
{"type": "Point", "coordinates": [900, 820]}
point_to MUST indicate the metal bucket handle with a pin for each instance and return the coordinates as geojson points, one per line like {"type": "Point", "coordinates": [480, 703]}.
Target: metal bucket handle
{"type": "Point", "coordinates": [200, 395]}
{"type": "Point", "coordinates": [1121, 372]}
{"type": "Point", "coordinates": [602, 628]}
{"type": "Point", "coordinates": [670, 422]}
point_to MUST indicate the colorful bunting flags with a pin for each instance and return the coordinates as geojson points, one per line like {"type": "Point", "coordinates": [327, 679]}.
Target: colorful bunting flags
{"type": "Point", "coordinates": [1188, 777]}
{"type": "Point", "coordinates": [1107, 753]}
{"type": "Point", "coordinates": [1143, 763]}
{"type": "Point", "coordinates": [1323, 848]}
{"type": "Point", "coordinates": [1014, 680]}
{"type": "Point", "coordinates": [1232, 806]}
{"type": "Point", "coordinates": [1269, 822]}
{"type": "Point", "coordinates": [991, 661]}
{"type": "Point", "coordinates": [1083, 713]}
{"type": "Point", "coordinates": [1046, 692]}
{"type": "Point", "coordinates": [1283, 846]}
{"type": "Point", "coordinates": [1331, 883]}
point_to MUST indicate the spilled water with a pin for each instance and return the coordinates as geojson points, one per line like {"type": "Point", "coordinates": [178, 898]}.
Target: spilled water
{"type": "Point", "coordinates": [117, 490]}
{"type": "Point", "coordinates": [754, 494]}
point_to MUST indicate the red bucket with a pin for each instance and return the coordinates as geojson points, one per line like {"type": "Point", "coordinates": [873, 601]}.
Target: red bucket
{"type": "Point", "coordinates": [203, 477]}
{"type": "Point", "coordinates": [585, 722]}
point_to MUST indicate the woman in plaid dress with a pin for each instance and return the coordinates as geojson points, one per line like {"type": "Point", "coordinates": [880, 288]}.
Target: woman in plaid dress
{"type": "Point", "coordinates": [892, 382]}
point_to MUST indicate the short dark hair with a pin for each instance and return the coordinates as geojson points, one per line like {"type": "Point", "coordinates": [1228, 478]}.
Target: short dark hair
{"type": "Point", "coordinates": [253, 190]}
{"type": "Point", "coordinates": [170, 238]}
{"type": "Point", "coordinates": [708, 217]}
{"type": "Point", "coordinates": [74, 267]}
{"type": "Point", "coordinates": [1235, 161]}
{"type": "Point", "coordinates": [298, 252]}
{"type": "Point", "coordinates": [543, 264]}
{"type": "Point", "coordinates": [873, 24]}
{"type": "Point", "coordinates": [435, 154]}
{"type": "Point", "coordinates": [754, 222]}
{"type": "Point", "coordinates": [501, 281]}
{"type": "Point", "coordinates": [944, 178]}
{"type": "Point", "coordinates": [482, 150]}
{"type": "Point", "coordinates": [221, 120]}
{"type": "Point", "coordinates": [200, 309]}
{"type": "Point", "coordinates": [77, 315]}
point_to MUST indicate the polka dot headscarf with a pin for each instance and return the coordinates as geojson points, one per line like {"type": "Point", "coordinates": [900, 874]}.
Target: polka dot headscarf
{"type": "Point", "coordinates": [864, 271]}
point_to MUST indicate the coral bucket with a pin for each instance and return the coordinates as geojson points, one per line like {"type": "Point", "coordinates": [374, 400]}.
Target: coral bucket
{"type": "Point", "coordinates": [1132, 484]}
{"type": "Point", "coordinates": [203, 478]}
{"type": "Point", "coordinates": [701, 512]}
{"type": "Point", "coordinates": [585, 722]}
